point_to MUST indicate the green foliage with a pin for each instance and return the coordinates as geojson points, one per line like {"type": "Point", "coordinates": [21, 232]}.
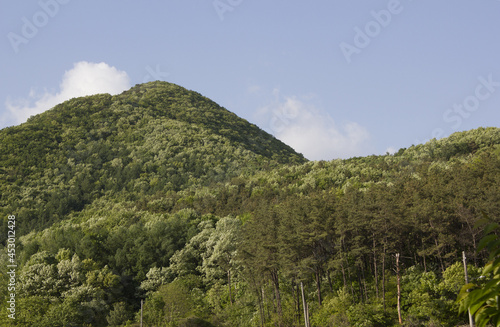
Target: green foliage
{"type": "Point", "coordinates": [340, 310]}
{"type": "Point", "coordinates": [334, 311]}
{"type": "Point", "coordinates": [220, 249]}
{"type": "Point", "coordinates": [155, 138]}
{"type": "Point", "coordinates": [120, 314]}
{"type": "Point", "coordinates": [482, 298]}
{"type": "Point", "coordinates": [160, 194]}
{"type": "Point", "coordinates": [169, 305]}
{"type": "Point", "coordinates": [430, 300]}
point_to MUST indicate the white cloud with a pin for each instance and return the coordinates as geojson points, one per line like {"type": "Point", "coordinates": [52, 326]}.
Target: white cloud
{"type": "Point", "coordinates": [391, 150]}
{"type": "Point", "coordinates": [313, 132]}
{"type": "Point", "coordinates": [85, 78]}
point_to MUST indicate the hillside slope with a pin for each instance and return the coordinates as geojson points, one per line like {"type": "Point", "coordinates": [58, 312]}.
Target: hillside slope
{"type": "Point", "coordinates": [154, 138]}
{"type": "Point", "coordinates": [160, 195]}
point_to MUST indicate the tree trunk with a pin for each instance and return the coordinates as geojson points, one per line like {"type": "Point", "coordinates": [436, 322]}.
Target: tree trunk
{"type": "Point", "coordinates": [423, 255]}
{"type": "Point", "coordinates": [383, 277]}
{"type": "Point", "coordinates": [260, 299]}
{"type": "Point", "coordinates": [318, 285]}
{"type": "Point", "coordinates": [264, 303]}
{"type": "Point", "coordinates": [330, 284]}
{"type": "Point", "coordinates": [298, 304]}
{"type": "Point", "coordinates": [343, 272]}
{"type": "Point", "coordinates": [350, 283]}
{"type": "Point", "coordinates": [471, 319]}
{"type": "Point", "coordinates": [364, 281]}
{"type": "Point", "coordinates": [439, 255]}
{"type": "Point", "coordinates": [296, 300]}
{"type": "Point", "coordinates": [375, 267]}
{"type": "Point", "coordinates": [360, 282]}
{"type": "Point", "coordinates": [399, 289]}
{"type": "Point", "coordinates": [304, 304]}
{"type": "Point", "coordinates": [279, 311]}
{"type": "Point", "coordinates": [229, 285]}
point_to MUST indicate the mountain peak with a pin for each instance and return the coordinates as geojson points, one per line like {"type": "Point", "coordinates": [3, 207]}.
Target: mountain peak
{"type": "Point", "coordinates": [154, 138]}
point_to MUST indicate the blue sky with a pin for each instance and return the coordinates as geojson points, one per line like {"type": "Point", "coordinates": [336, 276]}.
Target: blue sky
{"type": "Point", "coordinates": [333, 79]}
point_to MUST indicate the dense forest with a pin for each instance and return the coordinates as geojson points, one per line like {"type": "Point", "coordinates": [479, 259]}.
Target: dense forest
{"type": "Point", "coordinates": [160, 196]}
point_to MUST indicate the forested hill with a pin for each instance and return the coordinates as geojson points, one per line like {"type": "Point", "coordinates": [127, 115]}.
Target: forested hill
{"type": "Point", "coordinates": [159, 194]}
{"type": "Point", "coordinates": [154, 138]}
